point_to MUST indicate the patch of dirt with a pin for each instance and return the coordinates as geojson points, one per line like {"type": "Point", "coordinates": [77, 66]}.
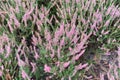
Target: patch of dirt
{"type": "Point", "coordinates": [104, 68]}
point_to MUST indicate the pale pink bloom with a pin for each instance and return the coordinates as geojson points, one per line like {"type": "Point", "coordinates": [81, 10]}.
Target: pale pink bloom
{"type": "Point", "coordinates": [66, 64]}
{"type": "Point", "coordinates": [77, 1]}
{"type": "Point", "coordinates": [8, 50]}
{"type": "Point", "coordinates": [83, 21]}
{"type": "Point", "coordinates": [93, 26]}
{"type": "Point", "coordinates": [27, 16]}
{"type": "Point", "coordinates": [57, 63]}
{"type": "Point", "coordinates": [117, 13]}
{"type": "Point", "coordinates": [5, 37]}
{"type": "Point", "coordinates": [42, 16]}
{"type": "Point", "coordinates": [58, 52]}
{"type": "Point", "coordinates": [105, 32]}
{"type": "Point", "coordinates": [36, 56]}
{"type": "Point", "coordinates": [20, 62]}
{"type": "Point", "coordinates": [16, 22]}
{"type": "Point", "coordinates": [47, 68]}
{"type": "Point", "coordinates": [47, 35]}
{"type": "Point", "coordinates": [67, 1]}
{"type": "Point", "coordinates": [39, 22]}
{"type": "Point", "coordinates": [59, 32]}
{"type": "Point", "coordinates": [107, 22]}
{"type": "Point", "coordinates": [39, 38]}
{"type": "Point", "coordinates": [33, 67]}
{"type": "Point", "coordinates": [80, 66]}
{"type": "Point", "coordinates": [10, 27]}
{"type": "Point", "coordinates": [1, 50]}
{"type": "Point", "coordinates": [56, 37]}
{"type": "Point", "coordinates": [98, 16]}
{"type": "Point", "coordinates": [75, 38]}
{"type": "Point", "coordinates": [2, 67]}
{"type": "Point", "coordinates": [34, 18]}
{"type": "Point", "coordinates": [17, 9]}
{"type": "Point", "coordinates": [76, 57]}
{"type": "Point", "coordinates": [80, 45]}
{"type": "Point", "coordinates": [62, 42]}
{"type": "Point", "coordinates": [70, 78]}
{"type": "Point", "coordinates": [34, 40]}
{"type": "Point", "coordinates": [61, 29]}
{"type": "Point", "coordinates": [87, 5]}
{"type": "Point", "coordinates": [101, 76]}
{"type": "Point", "coordinates": [71, 32]}
{"type": "Point", "coordinates": [24, 75]}
{"type": "Point", "coordinates": [109, 9]}
{"type": "Point", "coordinates": [70, 49]}
{"type": "Point", "coordinates": [88, 77]}
{"type": "Point", "coordinates": [1, 73]}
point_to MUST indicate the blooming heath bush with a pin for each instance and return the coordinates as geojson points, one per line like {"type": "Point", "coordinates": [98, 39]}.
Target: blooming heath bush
{"type": "Point", "coordinates": [47, 39]}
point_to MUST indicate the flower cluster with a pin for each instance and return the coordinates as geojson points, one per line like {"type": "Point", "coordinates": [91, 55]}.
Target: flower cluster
{"type": "Point", "coordinates": [40, 40]}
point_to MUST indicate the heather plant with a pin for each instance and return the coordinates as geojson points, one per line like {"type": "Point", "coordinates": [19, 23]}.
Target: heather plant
{"type": "Point", "coordinates": [42, 40]}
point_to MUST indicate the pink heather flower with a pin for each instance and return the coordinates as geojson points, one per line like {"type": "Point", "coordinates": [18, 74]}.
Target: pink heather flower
{"type": "Point", "coordinates": [16, 21]}
{"type": "Point", "coordinates": [71, 32]}
{"type": "Point", "coordinates": [47, 68]}
{"type": "Point", "coordinates": [1, 73]}
{"type": "Point", "coordinates": [24, 75]}
{"type": "Point", "coordinates": [34, 18]}
{"type": "Point", "coordinates": [104, 32]}
{"type": "Point", "coordinates": [27, 16]}
{"type": "Point", "coordinates": [33, 67]}
{"type": "Point", "coordinates": [57, 63]}
{"type": "Point", "coordinates": [77, 1]}
{"type": "Point", "coordinates": [47, 35]}
{"type": "Point", "coordinates": [101, 76]}
{"type": "Point", "coordinates": [42, 16]}
{"type": "Point", "coordinates": [93, 26]}
{"type": "Point", "coordinates": [1, 50]}
{"type": "Point", "coordinates": [8, 50]}
{"type": "Point", "coordinates": [67, 1]}
{"type": "Point", "coordinates": [58, 52]}
{"type": "Point", "coordinates": [78, 55]}
{"type": "Point", "coordinates": [66, 64]}
{"type": "Point", "coordinates": [98, 16]}
{"type": "Point", "coordinates": [62, 42]}
{"type": "Point", "coordinates": [34, 40]}
{"type": "Point", "coordinates": [10, 27]}
{"type": "Point", "coordinates": [109, 9]}
{"type": "Point", "coordinates": [107, 23]}
{"type": "Point", "coordinates": [80, 45]}
{"type": "Point", "coordinates": [59, 32]}
{"type": "Point", "coordinates": [36, 56]}
{"type": "Point", "coordinates": [53, 53]}
{"type": "Point", "coordinates": [80, 66]}
{"type": "Point", "coordinates": [20, 62]}
{"type": "Point", "coordinates": [75, 38]}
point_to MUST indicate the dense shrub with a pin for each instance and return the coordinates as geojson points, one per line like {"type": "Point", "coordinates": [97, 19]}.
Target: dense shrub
{"type": "Point", "coordinates": [49, 39]}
